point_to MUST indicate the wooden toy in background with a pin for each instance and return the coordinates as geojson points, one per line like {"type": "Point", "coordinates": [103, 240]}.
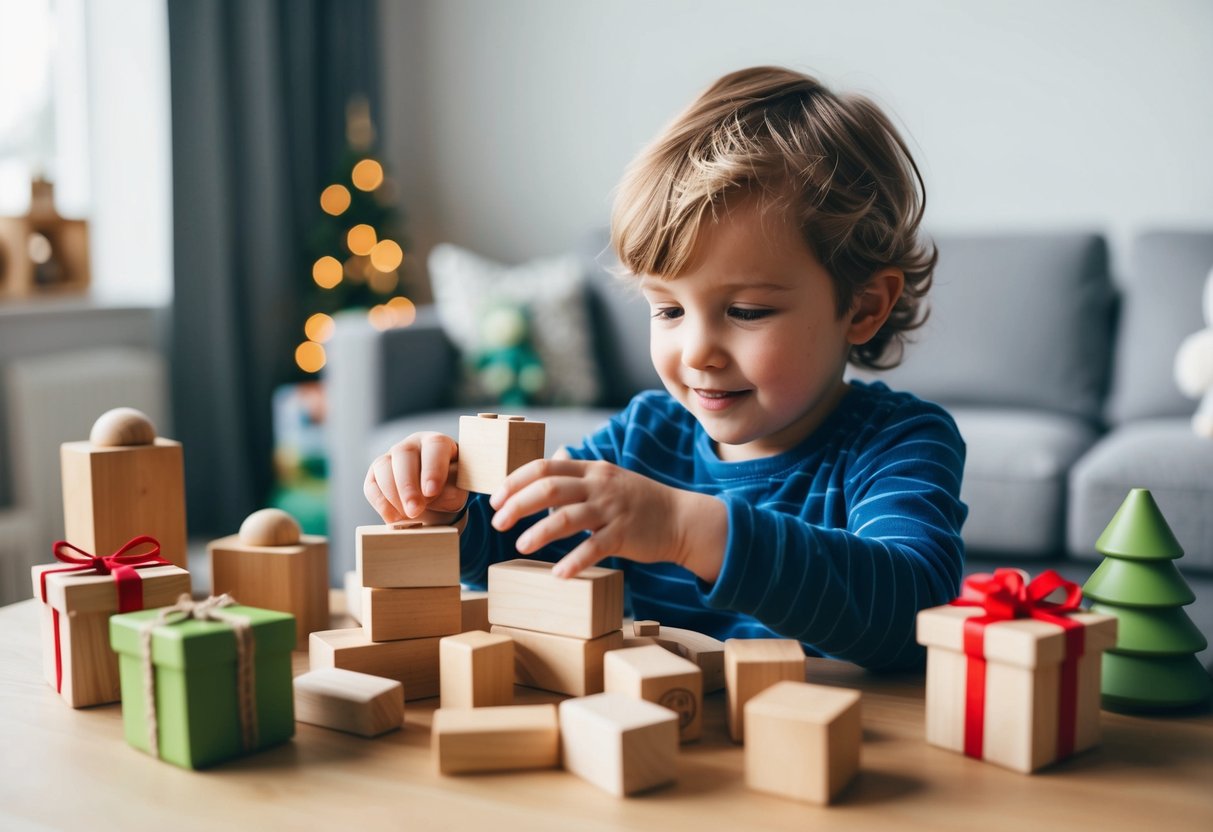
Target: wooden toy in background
{"type": "Point", "coordinates": [491, 446]}
{"type": "Point", "coordinates": [271, 564]}
{"type": "Point", "coordinates": [1012, 678]}
{"type": "Point", "coordinates": [511, 737]}
{"type": "Point", "coordinates": [1153, 666]}
{"type": "Point", "coordinates": [42, 252]}
{"type": "Point", "coordinates": [561, 627]}
{"type": "Point", "coordinates": [123, 482]}
{"type": "Point", "coordinates": [751, 666]}
{"type": "Point", "coordinates": [476, 670]}
{"type": "Point", "coordinates": [213, 696]}
{"type": "Point", "coordinates": [78, 595]}
{"type": "Point", "coordinates": [344, 700]}
{"type": "Point", "coordinates": [475, 610]}
{"type": "Point", "coordinates": [657, 675]}
{"type": "Point", "coordinates": [620, 744]}
{"type": "Point", "coordinates": [646, 628]}
{"type": "Point", "coordinates": [802, 741]}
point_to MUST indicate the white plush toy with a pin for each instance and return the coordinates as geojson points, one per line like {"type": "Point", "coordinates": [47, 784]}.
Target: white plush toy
{"type": "Point", "coordinates": [1194, 367]}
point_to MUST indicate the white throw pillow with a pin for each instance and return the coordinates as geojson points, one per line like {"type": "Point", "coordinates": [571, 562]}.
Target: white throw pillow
{"type": "Point", "coordinates": [552, 291]}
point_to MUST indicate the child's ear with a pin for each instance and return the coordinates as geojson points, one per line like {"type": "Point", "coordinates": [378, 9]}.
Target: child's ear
{"type": "Point", "coordinates": [873, 303]}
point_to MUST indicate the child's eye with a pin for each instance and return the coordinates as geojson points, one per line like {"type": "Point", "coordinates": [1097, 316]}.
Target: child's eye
{"type": "Point", "coordinates": [742, 313]}
{"type": "Point", "coordinates": [667, 313]}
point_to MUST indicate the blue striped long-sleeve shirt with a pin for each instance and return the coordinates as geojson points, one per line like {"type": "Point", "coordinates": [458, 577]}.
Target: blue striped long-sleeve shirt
{"type": "Point", "coordinates": [838, 542]}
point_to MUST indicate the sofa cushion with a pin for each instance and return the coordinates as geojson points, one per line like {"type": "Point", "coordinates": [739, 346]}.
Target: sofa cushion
{"type": "Point", "coordinates": [1161, 304]}
{"type": "Point", "coordinates": [1162, 455]}
{"type": "Point", "coordinates": [1015, 478]}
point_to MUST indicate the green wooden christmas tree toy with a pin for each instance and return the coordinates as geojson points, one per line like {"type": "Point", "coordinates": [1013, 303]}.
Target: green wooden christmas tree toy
{"type": "Point", "coordinates": [1153, 666]}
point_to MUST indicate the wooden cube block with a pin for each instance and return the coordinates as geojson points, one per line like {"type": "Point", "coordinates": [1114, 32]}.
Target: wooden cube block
{"type": "Point", "coordinates": [701, 649]}
{"type": "Point", "coordinates": [345, 700]}
{"type": "Point", "coordinates": [407, 555]}
{"type": "Point", "coordinates": [475, 610]}
{"type": "Point", "coordinates": [353, 596]}
{"type": "Point", "coordinates": [802, 740]}
{"type": "Point", "coordinates": [752, 665]}
{"type": "Point", "coordinates": [417, 612]}
{"type": "Point", "coordinates": [412, 662]}
{"type": "Point", "coordinates": [111, 494]}
{"type": "Point", "coordinates": [559, 663]}
{"type": "Point", "coordinates": [477, 670]}
{"type": "Point", "coordinates": [508, 738]}
{"type": "Point", "coordinates": [620, 744]}
{"type": "Point", "coordinates": [292, 578]}
{"type": "Point", "coordinates": [491, 446]}
{"type": "Point", "coordinates": [646, 628]}
{"type": "Point", "coordinates": [524, 593]}
{"type": "Point", "coordinates": [657, 675]}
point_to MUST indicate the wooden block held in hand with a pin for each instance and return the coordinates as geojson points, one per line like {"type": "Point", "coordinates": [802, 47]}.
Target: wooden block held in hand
{"type": "Point", "coordinates": [407, 555]}
{"type": "Point", "coordinates": [620, 744]}
{"type": "Point", "coordinates": [559, 663]}
{"type": "Point", "coordinates": [345, 700]}
{"type": "Point", "coordinates": [524, 593]}
{"type": "Point", "coordinates": [496, 739]}
{"type": "Point", "coordinates": [476, 670]}
{"type": "Point", "coordinates": [416, 612]}
{"type": "Point", "coordinates": [412, 662]}
{"type": "Point", "coordinates": [491, 446]}
{"type": "Point", "coordinates": [657, 675]}
{"type": "Point", "coordinates": [475, 610]}
{"type": "Point", "coordinates": [754, 664]}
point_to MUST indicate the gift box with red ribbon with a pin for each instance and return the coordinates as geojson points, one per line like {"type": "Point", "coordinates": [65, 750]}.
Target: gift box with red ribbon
{"type": "Point", "coordinates": [79, 593]}
{"type": "Point", "coordinates": [1013, 673]}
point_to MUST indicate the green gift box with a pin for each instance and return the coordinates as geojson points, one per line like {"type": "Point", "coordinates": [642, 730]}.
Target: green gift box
{"type": "Point", "coordinates": [199, 679]}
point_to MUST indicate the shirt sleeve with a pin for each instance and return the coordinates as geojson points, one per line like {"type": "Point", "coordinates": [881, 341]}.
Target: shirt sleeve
{"type": "Point", "coordinates": [853, 593]}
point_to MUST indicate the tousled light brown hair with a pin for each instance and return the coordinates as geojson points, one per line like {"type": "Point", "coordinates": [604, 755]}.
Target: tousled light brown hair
{"type": "Point", "coordinates": [834, 162]}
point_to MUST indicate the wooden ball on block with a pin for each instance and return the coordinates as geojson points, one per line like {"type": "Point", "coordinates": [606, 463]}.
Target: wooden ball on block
{"type": "Point", "coordinates": [270, 527]}
{"type": "Point", "coordinates": [122, 426]}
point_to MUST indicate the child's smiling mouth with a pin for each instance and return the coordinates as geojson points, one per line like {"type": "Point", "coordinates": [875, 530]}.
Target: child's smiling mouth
{"type": "Point", "coordinates": [717, 399]}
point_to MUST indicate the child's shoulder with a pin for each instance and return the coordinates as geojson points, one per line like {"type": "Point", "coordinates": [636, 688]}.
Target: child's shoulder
{"type": "Point", "coordinates": [886, 413]}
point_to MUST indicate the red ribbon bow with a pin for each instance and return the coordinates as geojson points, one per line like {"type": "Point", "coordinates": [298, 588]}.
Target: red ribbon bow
{"type": "Point", "coordinates": [1007, 595]}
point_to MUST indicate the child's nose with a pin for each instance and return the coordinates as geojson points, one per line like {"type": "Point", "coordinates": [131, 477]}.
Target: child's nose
{"type": "Point", "coordinates": [702, 349]}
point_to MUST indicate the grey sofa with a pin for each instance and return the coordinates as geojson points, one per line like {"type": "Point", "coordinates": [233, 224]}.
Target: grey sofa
{"type": "Point", "coordinates": [1058, 374]}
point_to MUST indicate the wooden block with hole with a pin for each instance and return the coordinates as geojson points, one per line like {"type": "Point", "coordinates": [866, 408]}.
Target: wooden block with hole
{"type": "Point", "coordinates": [416, 612]}
{"type": "Point", "coordinates": [124, 481]}
{"type": "Point", "coordinates": [477, 670]}
{"type": "Point", "coordinates": [412, 662]}
{"type": "Point", "coordinates": [657, 675]}
{"type": "Point", "coordinates": [703, 650]}
{"type": "Point", "coordinates": [752, 665]}
{"type": "Point", "coordinates": [272, 565]}
{"type": "Point", "coordinates": [523, 593]}
{"type": "Point", "coordinates": [407, 555]}
{"type": "Point", "coordinates": [802, 741]}
{"type": "Point", "coordinates": [346, 700]}
{"type": "Point", "coordinates": [508, 738]}
{"type": "Point", "coordinates": [560, 664]}
{"type": "Point", "coordinates": [475, 605]}
{"type": "Point", "coordinates": [620, 744]}
{"type": "Point", "coordinates": [491, 446]}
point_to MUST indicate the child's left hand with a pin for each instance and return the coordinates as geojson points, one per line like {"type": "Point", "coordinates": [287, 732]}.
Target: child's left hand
{"type": "Point", "coordinates": [627, 514]}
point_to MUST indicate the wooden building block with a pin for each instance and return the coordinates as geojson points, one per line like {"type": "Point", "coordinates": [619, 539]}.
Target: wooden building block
{"type": "Point", "coordinates": [704, 650]}
{"type": "Point", "coordinates": [477, 670]}
{"type": "Point", "coordinates": [407, 555]}
{"type": "Point", "coordinates": [751, 665]}
{"type": "Point", "coordinates": [417, 612]}
{"type": "Point", "coordinates": [646, 628]}
{"type": "Point", "coordinates": [112, 494]}
{"type": "Point", "coordinates": [642, 641]}
{"type": "Point", "coordinates": [475, 610]}
{"type": "Point", "coordinates": [412, 662]}
{"type": "Point", "coordinates": [657, 675]}
{"type": "Point", "coordinates": [508, 738]}
{"type": "Point", "coordinates": [524, 593]}
{"type": "Point", "coordinates": [559, 663]}
{"type": "Point", "coordinates": [491, 446]}
{"type": "Point", "coordinates": [620, 744]}
{"type": "Point", "coordinates": [345, 700]}
{"type": "Point", "coordinates": [353, 596]}
{"type": "Point", "coordinates": [802, 741]}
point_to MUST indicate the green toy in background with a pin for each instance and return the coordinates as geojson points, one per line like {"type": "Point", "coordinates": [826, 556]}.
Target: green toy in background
{"type": "Point", "coordinates": [507, 368]}
{"type": "Point", "coordinates": [1153, 666]}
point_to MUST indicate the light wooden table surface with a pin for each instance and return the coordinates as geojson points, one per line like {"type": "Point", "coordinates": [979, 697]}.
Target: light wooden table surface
{"type": "Point", "coordinates": [72, 769]}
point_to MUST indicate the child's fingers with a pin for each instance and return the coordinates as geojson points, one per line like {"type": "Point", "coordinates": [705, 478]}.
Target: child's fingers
{"type": "Point", "coordinates": [594, 548]}
{"type": "Point", "coordinates": [568, 521]}
{"type": "Point", "coordinates": [436, 454]}
{"type": "Point", "coordinates": [381, 469]}
{"type": "Point", "coordinates": [384, 508]}
{"type": "Point", "coordinates": [548, 492]}
{"type": "Point", "coordinates": [535, 470]}
{"type": "Point", "coordinates": [406, 465]}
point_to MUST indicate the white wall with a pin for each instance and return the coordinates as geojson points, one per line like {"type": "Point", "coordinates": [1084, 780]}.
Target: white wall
{"type": "Point", "coordinates": [510, 122]}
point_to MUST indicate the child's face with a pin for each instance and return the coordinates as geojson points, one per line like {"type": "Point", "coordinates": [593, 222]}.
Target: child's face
{"type": "Point", "coordinates": [748, 339]}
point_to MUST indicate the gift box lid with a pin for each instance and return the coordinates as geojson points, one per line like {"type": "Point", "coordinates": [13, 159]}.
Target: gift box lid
{"type": "Point", "coordinates": [87, 592]}
{"type": "Point", "coordinates": [196, 643]}
{"type": "Point", "coordinates": [1023, 642]}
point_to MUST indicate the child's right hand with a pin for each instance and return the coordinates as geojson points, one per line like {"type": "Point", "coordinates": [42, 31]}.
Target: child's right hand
{"type": "Point", "coordinates": [415, 480]}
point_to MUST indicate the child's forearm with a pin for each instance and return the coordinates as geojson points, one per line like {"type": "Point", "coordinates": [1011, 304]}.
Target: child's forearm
{"type": "Point", "coordinates": [703, 524]}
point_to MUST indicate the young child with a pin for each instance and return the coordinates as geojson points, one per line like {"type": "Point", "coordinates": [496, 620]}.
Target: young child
{"type": "Point", "coordinates": [773, 230]}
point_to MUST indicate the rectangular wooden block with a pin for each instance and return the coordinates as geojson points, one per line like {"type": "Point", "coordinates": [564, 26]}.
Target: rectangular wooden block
{"type": "Point", "coordinates": [353, 596]}
{"type": "Point", "coordinates": [752, 665]}
{"type": "Point", "coordinates": [407, 555]}
{"type": "Point", "coordinates": [412, 662]}
{"type": "Point", "coordinates": [620, 744]}
{"type": "Point", "coordinates": [113, 494]}
{"type": "Point", "coordinates": [491, 446]}
{"type": "Point", "coordinates": [703, 650]}
{"type": "Point", "coordinates": [657, 675]}
{"type": "Point", "coordinates": [507, 738]}
{"type": "Point", "coordinates": [475, 610]}
{"type": "Point", "coordinates": [417, 612]}
{"type": "Point", "coordinates": [477, 670]}
{"type": "Point", "coordinates": [292, 579]}
{"type": "Point", "coordinates": [345, 700]}
{"type": "Point", "coordinates": [524, 593]}
{"type": "Point", "coordinates": [646, 628]}
{"type": "Point", "coordinates": [802, 741]}
{"type": "Point", "coordinates": [560, 664]}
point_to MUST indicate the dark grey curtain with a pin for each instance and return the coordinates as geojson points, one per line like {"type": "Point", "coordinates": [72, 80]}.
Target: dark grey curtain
{"type": "Point", "coordinates": [259, 89]}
